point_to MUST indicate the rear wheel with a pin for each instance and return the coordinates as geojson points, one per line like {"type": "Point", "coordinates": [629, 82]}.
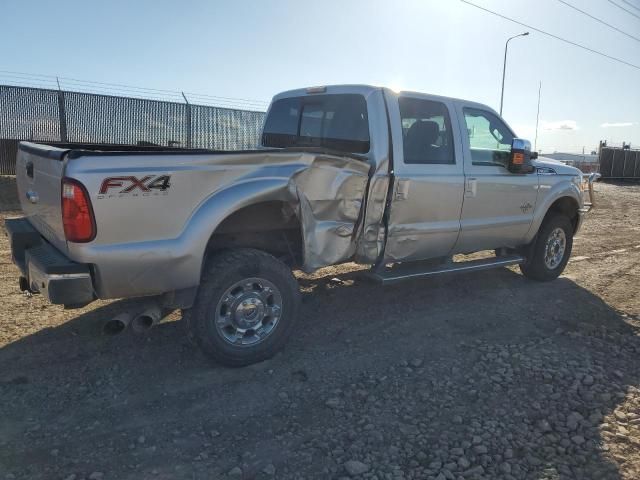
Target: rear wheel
{"type": "Point", "coordinates": [549, 254]}
{"type": "Point", "coordinates": [245, 309]}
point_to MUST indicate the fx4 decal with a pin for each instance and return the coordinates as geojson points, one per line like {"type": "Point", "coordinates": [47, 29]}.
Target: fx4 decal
{"type": "Point", "coordinates": [525, 207]}
{"type": "Point", "coordinates": [147, 185]}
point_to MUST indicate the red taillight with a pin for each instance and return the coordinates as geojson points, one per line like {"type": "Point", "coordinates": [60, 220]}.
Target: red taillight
{"type": "Point", "coordinates": [77, 214]}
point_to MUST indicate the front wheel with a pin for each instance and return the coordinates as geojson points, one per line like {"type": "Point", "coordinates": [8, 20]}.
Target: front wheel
{"type": "Point", "coordinates": [549, 254]}
{"type": "Point", "coordinates": [245, 309]}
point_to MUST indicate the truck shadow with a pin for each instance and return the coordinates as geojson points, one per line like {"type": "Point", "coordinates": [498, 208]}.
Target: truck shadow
{"type": "Point", "coordinates": [8, 194]}
{"type": "Point", "coordinates": [540, 368]}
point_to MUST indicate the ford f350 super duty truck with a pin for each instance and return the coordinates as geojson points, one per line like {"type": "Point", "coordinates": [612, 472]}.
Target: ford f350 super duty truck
{"type": "Point", "coordinates": [398, 181]}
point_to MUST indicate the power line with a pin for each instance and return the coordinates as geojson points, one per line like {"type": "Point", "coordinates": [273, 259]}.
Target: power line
{"type": "Point", "coordinates": [600, 21]}
{"type": "Point", "coordinates": [240, 100]}
{"type": "Point", "coordinates": [631, 5]}
{"type": "Point", "coordinates": [622, 8]}
{"type": "Point", "coordinates": [602, 54]}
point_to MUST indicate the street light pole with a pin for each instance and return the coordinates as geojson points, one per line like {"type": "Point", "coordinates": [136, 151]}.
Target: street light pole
{"type": "Point", "coordinates": [504, 66]}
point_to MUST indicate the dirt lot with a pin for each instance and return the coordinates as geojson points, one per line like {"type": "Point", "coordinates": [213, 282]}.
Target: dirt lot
{"type": "Point", "coordinates": [483, 375]}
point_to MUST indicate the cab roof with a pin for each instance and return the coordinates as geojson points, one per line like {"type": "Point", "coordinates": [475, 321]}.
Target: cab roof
{"type": "Point", "coordinates": [366, 90]}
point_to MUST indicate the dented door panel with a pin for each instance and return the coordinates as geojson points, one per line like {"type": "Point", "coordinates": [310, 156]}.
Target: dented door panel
{"type": "Point", "coordinates": [424, 217]}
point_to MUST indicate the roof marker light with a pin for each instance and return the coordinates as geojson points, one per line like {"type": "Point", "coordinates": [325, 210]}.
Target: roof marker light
{"type": "Point", "coordinates": [316, 89]}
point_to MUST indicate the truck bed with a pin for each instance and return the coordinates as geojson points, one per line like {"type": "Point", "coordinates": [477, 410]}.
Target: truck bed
{"type": "Point", "coordinates": [155, 208]}
{"type": "Point", "coordinates": [59, 150]}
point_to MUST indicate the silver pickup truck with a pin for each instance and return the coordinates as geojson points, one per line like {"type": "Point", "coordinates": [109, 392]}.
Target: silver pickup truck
{"type": "Point", "coordinates": [401, 182]}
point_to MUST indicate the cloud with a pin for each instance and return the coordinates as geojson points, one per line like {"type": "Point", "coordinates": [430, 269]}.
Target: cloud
{"type": "Point", "coordinates": [560, 125]}
{"type": "Point", "coordinates": [525, 130]}
{"type": "Point", "coordinates": [617, 124]}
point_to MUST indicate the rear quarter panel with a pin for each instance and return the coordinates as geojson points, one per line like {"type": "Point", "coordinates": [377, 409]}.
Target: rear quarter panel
{"type": "Point", "coordinates": [140, 216]}
{"type": "Point", "coordinates": [154, 243]}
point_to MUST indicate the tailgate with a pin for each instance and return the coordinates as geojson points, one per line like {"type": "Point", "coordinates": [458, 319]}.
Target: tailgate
{"type": "Point", "coordinates": [39, 172]}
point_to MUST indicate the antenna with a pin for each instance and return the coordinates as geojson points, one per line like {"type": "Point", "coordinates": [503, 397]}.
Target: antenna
{"type": "Point", "coordinates": [535, 143]}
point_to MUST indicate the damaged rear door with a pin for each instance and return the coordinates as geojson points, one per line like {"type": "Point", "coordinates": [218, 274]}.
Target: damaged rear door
{"type": "Point", "coordinates": [424, 220]}
{"type": "Point", "coordinates": [330, 193]}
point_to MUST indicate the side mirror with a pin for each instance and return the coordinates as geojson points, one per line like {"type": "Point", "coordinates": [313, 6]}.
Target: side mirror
{"type": "Point", "coordinates": [521, 156]}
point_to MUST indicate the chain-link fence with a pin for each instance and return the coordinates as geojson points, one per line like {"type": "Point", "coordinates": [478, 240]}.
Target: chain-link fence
{"type": "Point", "coordinates": [619, 163]}
{"type": "Point", "coordinates": [43, 115]}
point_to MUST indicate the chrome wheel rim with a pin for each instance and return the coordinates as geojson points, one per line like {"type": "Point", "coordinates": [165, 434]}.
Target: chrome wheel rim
{"type": "Point", "coordinates": [555, 248]}
{"type": "Point", "coordinates": [248, 312]}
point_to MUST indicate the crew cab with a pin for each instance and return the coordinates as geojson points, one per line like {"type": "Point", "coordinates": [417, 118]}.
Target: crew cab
{"type": "Point", "coordinates": [400, 182]}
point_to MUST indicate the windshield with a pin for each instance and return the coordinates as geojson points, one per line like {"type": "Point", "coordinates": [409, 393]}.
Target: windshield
{"type": "Point", "coordinates": [337, 121]}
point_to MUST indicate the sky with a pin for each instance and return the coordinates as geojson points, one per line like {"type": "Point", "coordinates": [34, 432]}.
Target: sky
{"type": "Point", "coordinates": [255, 49]}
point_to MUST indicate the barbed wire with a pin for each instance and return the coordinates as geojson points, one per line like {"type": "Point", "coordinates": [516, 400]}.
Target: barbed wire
{"type": "Point", "coordinates": [116, 89]}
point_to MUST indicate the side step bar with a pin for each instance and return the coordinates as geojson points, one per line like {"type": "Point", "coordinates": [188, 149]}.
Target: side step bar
{"type": "Point", "coordinates": [414, 270]}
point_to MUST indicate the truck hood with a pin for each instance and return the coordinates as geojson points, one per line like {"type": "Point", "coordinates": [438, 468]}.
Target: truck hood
{"type": "Point", "coordinates": [559, 167]}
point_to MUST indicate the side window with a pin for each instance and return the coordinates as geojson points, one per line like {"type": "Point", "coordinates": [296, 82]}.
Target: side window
{"type": "Point", "coordinates": [489, 138]}
{"type": "Point", "coordinates": [426, 132]}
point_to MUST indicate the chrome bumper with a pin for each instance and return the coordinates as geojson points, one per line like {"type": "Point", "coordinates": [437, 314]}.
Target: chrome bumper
{"type": "Point", "coordinates": [587, 206]}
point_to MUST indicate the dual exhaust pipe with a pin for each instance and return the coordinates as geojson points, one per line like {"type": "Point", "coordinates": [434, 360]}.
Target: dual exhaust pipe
{"type": "Point", "coordinates": [140, 322]}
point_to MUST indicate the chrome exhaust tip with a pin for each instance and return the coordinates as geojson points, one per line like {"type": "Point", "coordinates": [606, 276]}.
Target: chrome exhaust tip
{"type": "Point", "coordinates": [147, 319]}
{"type": "Point", "coordinates": [117, 324]}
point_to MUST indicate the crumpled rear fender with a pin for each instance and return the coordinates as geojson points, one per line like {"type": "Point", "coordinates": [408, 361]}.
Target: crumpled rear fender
{"type": "Point", "coordinates": [326, 192]}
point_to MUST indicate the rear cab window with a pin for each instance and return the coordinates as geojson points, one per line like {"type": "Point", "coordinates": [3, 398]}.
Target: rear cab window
{"type": "Point", "coordinates": [426, 132]}
{"type": "Point", "coordinates": [335, 121]}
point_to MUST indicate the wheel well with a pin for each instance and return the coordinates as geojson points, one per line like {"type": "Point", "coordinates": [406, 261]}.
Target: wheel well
{"type": "Point", "coordinates": [566, 206]}
{"type": "Point", "coordinates": [272, 227]}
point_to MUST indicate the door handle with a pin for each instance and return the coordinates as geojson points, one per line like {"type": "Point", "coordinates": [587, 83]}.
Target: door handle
{"type": "Point", "coordinates": [470, 187]}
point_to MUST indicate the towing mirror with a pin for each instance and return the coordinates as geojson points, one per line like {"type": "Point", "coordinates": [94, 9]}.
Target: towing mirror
{"type": "Point", "coordinates": [521, 156]}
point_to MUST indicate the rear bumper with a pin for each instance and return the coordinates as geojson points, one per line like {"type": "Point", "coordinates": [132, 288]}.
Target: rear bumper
{"type": "Point", "coordinates": [45, 269]}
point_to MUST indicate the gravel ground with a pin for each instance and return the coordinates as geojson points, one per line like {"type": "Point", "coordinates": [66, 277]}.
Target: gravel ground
{"type": "Point", "coordinates": [477, 376]}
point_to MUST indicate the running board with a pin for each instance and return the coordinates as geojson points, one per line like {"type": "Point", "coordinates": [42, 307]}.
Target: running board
{"type": "Point", "coordinates": [413, 270]}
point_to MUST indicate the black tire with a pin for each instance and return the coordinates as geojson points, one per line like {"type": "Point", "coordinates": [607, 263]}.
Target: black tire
{"type": "Point", "coordinates": [221, 272]}
{"type": "Point", "coordinates": [535, 266]}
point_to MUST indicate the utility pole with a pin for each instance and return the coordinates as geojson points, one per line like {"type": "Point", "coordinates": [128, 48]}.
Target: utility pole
{"type": "Point", "coordinates": [504, 66]}
{"type": "Point", "coordinates": [535, 143]}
